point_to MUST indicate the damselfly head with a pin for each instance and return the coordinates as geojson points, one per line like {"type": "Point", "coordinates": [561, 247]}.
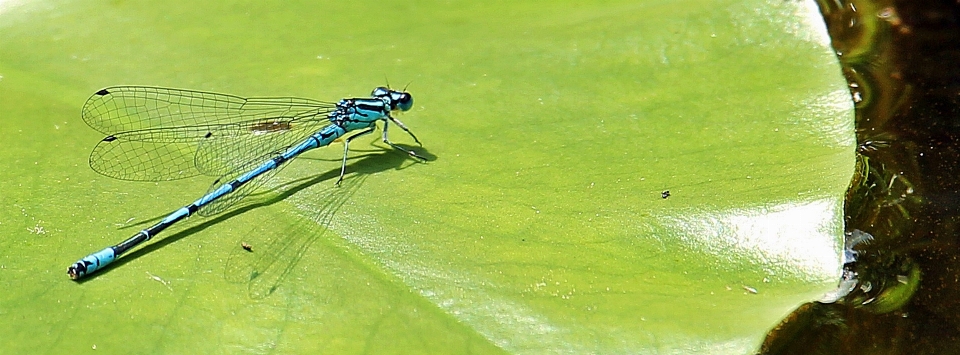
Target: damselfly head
{"type": "Point", "coordinates": [397, 99]}
{"type": "Point", "coordinates": [404, 101]}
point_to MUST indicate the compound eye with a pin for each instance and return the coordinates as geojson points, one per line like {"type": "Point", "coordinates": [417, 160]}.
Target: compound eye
{"type": "Point", "coordinates": [405, 102]}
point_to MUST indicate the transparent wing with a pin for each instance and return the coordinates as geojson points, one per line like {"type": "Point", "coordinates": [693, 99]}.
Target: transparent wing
{"type": "Point", "coordinates": [159, 134]}
{"type": "Point", "coordinates": [135, 108]}
{"type": "Point", "coordinates": [225, 202]}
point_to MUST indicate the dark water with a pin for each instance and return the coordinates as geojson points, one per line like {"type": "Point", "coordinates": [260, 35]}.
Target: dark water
{"type": "Point", "coordinates": [902, 60]}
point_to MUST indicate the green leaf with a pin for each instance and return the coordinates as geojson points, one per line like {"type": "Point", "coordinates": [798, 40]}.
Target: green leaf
{"type": "Point", "coordinates": [538, 225]}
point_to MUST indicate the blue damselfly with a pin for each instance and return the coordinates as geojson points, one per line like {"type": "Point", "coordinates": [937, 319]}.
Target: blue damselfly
{"type": "Point", "coordinates": [158, 134]}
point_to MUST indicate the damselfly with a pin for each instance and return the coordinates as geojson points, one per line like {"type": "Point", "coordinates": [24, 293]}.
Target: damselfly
{"type": "Point", "coordinates": [157, 134]}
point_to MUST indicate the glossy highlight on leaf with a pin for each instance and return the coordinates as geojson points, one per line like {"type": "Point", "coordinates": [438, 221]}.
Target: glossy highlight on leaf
{"type": "Point", "coordinates": [538, 224]}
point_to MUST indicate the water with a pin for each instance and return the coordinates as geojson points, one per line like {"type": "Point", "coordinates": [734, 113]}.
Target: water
{"type": "Point", "coordinates": [901, 60]}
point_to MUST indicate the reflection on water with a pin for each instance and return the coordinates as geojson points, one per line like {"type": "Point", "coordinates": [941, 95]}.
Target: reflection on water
{"type": "Point", "coordinates": [902, 62]}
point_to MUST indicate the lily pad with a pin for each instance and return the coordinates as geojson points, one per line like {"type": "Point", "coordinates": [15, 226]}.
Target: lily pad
{"type": "Point", "coordinates": [541, 223]}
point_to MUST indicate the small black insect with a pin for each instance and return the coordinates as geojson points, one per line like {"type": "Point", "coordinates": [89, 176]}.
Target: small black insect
{"type": "Point", "coordinates": [665, 194]}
